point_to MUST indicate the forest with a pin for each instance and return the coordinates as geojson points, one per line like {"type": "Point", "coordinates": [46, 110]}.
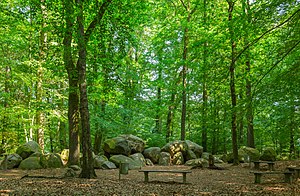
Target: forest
{"type": "Point", "coordinates": [221, 73]}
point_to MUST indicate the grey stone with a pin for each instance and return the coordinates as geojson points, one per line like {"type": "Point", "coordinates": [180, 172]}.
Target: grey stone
{"type": "Point", "coordinates": [30, 163]}
{"type": "Point", "coordinates": [51, 160]}
{"type": "Point", "coordinates": [28, 148]}
{"type": "Point", "coordinates": [117, 159]}
{"type": "Point", "coordinates": [152, 153]}
{"type": "Point", "coordinates": [164, 159]}
{"type": "Point", "coordinates": [117, 145]}
{"type": "Point", "coordinates": [136, 144]}
{"type": "Point", "coordinates": [12, 161]}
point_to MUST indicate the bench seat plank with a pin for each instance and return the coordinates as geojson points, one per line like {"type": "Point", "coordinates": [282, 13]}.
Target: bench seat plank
{"type": "Point", "coordinates": [258, 174]}
{"type": "Point", "coordinates": [147, 171]}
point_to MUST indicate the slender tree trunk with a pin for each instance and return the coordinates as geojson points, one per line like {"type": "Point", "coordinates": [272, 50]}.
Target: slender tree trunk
{"type": "Point", "coordinates": [170, 117]}
{"type": "Point", "coordinates": [240, 122]}
{"type": "Point", "coordinates": [73, 97]}
{"type": "Point", "coordinates": [204, 85]}
{"type": "Point", "coordinates": [232, 86]}
{"type": "Point", "coordinates": [40, 116]}
{"type": "Point", "coordinates": [184, 73]}
{"type": "Point", "coordinates": [292, 126]}
{"type": "Point", "coordinates": [249, 106]}
{"type": "Point", "coordinates": [158, 122]}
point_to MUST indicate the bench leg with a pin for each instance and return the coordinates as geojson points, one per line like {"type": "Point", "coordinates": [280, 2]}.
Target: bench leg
{"type": "Point", "coordinates": [184, 177]}
{"type": "Point", "coordinates": [288, 178]}
{"type": "Point", "coordinates": [257, 179]}
{"type": "Point", "coordinates": [297, 173]}
{"type": "Point", "coordinates": [271, 166]}
{"type": "Point", "coordinates": [256, 165]}
{"type": "Point", "coordinates": [146, 176]}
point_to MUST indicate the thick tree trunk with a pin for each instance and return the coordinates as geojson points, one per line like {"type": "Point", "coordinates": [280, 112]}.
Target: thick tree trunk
{"type": "Point", "coordinates": [73, 97]}
{"type": "Point", "coordinates": [232, 86]}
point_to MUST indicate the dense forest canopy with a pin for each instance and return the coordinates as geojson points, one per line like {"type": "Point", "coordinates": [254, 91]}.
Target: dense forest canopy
{"type": "Point", "coordinates": [221, 73]}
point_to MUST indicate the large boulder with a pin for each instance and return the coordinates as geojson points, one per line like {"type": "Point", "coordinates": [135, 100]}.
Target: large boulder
{"type": "Point", "coordinates": [178, 159]}
{"type": "Point", "coordinates": [99, 160]}
{"type": "Point", "coordinates": [117, 145]}
{"type": "Point", "coordinates": [117, 159]}
{"type": "Point", "coordinates": [108, 165]}
{"type": "Point", "coordinates": [164, 159]}
{"type": "Point", "coordinates": [51, 160]}
{"type": "Point", "coordinates": [190, 155]}
{"type": "Point", "coordinates": [197, 149]}
{"type": "Point", "coordinates": [229, 158]}
{"type": "Point", "coordinates": [149, 162]}
{"type": "Point", "coordinates": [176, 146]}
{"type": "Point", "coordinates": [197, 163]}
{"type": "Point", "coordinates": [268, 154]}
{"type": "Point", "coordinates": [249, 154]}
{"type": "Point", "coordinates": [12, 161]}
{"type": "Point", "coordinates": [152, 153]}
{"type": "Point", "coordinates": [30, 163]}
{"type": "Point", "coordinates": [28, 148]}
{"type": "Point", "coordinates": [136, 144]}
{"type": "Point", "coordinates": [138, 157]}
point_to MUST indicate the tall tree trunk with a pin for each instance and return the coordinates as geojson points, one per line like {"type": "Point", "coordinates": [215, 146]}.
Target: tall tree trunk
{"type": "Point", "coordinates": [158, 122]}
{"type": "Point", "coordinates": [73, 97]}
{"type": "Point", "coordinates": [40, 116]}
{"type": "Point", "coordinates": [240, 123]}
{"type": "Point", "coordinates": [184, 71]}
{"type": "Point", "coordinates": [87, 156]}
{"type": "Point", "coordinates": [292, 125]}
{"type": "Point", "coordinates": [170, 117]}
{"type": "Point", "coordinates": [4, 124]}
{"type": "Point", "coordinates": [83, 37]}
{"type": "Point", "coordinates": [232, 85]}
{"type": "Point", "coordinates": [249, 106]}
{"type": "Point", "coordinates": [204, 85]}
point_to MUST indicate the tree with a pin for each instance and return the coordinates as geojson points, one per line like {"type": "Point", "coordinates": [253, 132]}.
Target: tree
{"type": "Point", "coordinates": [232, 84]}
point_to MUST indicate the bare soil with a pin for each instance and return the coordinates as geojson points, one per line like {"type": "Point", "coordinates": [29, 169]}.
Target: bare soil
{"type": "Point", "coordinates": [233, 180]}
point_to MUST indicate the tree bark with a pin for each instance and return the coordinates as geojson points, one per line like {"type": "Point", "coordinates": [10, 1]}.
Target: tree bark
{"type": "Point", "coordinates": [40, 117]}
{"type": "Point", "coordinates": [86, 145]}
{"type": "Point", "coordinates": [232, 86]}
{"type": "Point", "coordinates": [73, 97]}
{"type": "Point", "coordinates": [184, 72]}
{"type": "Point", "coordinates": [249, 106]}
{"type": "Point", "coordinates": [204, 85]}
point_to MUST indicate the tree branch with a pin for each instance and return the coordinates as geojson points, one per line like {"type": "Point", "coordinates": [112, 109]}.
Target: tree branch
{"type": "Point", "coordinates": [97, 19]}
{"type": "Point", "coordinates": [268, 31]}
{"type": "Point", "coordinates": [184, 5]}
{"type": "Point", "coordinates": [273, 67]}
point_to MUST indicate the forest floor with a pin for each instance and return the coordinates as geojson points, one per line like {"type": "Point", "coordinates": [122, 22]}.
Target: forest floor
{"type": "Point", "coordinates": [233, 180]}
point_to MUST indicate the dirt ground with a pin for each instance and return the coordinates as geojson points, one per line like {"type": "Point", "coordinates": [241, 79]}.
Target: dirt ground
{"type": "Point", "coordinates": [234, 180]}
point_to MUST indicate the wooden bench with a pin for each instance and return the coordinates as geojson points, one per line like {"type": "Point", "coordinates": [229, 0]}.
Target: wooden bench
{"type": "Point", "coordinates": [183, 172]}
{"type": "Point", "coordinates": [287, 175]}
{"type": "Point", "coordinates": [295, 170]}
{"type": "Point", "coordinates": [270, 164]}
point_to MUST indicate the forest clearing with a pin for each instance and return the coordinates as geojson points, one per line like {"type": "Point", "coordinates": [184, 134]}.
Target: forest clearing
{"type": "Point", "coordinates": [233, 180]}
{"type": "Point", "coordinates": [87, 86]}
